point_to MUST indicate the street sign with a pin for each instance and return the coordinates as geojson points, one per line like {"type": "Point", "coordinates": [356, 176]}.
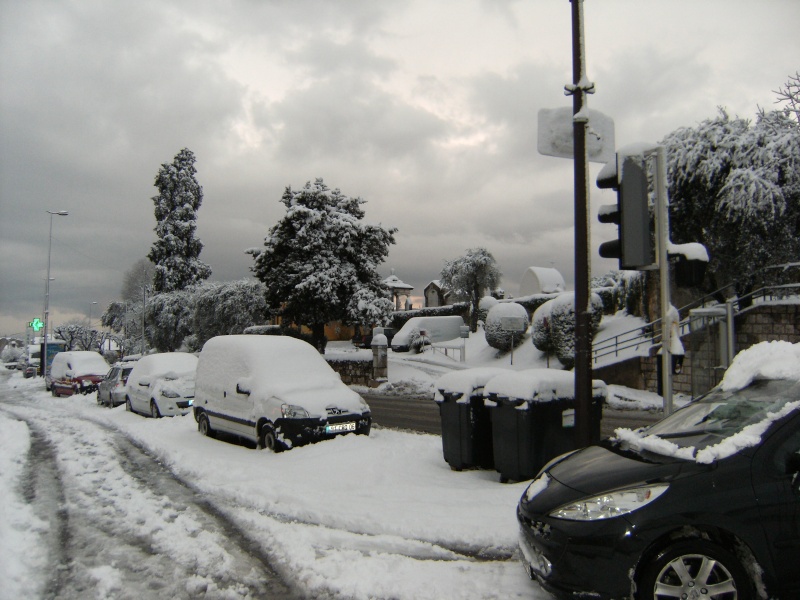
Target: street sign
{"type": "Point", "coordinates": [556, 134]}
{"type": "Point", "coordinates": [513, 323]}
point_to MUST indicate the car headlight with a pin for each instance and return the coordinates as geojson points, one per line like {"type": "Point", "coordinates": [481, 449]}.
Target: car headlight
{"type": "Point", "coordinates": [290, 411]}
{"type": "Point", "coordinates": [611, 504]}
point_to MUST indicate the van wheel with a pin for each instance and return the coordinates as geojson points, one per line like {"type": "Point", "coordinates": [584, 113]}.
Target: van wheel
{"type": "Point", "coordinates": [154, 412]}
{"type": "Point", "coordinates": [268, 439]}
{"type": "Point", "coordinates": [204, 427]}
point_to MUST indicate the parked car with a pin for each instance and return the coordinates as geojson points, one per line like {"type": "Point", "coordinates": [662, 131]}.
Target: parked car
{"type": "Point", "coordinates": [276, 391]}
{"type": "Point", "coordinates": [112, 389]}
{"type": "Point", "coordinates": [162, 384]}
{"type": "Point", "coordinates": [30, 371]}
{"type": "Point", "coordinates": [75, 371]}
{"type": "Point", "coordinates": [703, 504]}
{"type": "Point", "coordinates": [438, 329]}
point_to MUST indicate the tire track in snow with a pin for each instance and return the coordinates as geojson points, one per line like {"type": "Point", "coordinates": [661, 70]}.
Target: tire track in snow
{"type": "Point", "coordinates": [123, 525]}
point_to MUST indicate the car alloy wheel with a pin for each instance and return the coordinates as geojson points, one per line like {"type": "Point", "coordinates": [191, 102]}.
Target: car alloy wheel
{"type": "Point", "coordinates": [695, 569]}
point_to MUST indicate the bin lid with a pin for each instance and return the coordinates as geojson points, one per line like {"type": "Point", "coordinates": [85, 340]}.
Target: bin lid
{"type": "Point", "coordinates": [465, 383]}
{"type": "Point", "coordinates": [538, 385]}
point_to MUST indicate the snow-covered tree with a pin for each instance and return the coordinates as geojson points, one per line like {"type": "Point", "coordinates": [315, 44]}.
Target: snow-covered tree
{"type": "Point", "coordinates": [790, 94]}
{"type": "Point", "coordinates": [176, 252]}
{"type": "Point", "coordinates": [735, 187]}
{"type": "Point", "coordinates": [169, 319]}
{"type": "Point", "coordinates": [140, 275]}
{"type": "Point", "coordinates": [319, 262]}
{"type": "Point", "coordinates": [228, 308]}
{"type": "Point", "coordinates": [78, 336]}
{"type": "Point", "coordinates": [471, 276]}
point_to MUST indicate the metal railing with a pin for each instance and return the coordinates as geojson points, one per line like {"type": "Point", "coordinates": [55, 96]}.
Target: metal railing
{"type": "Point", "coordinates": [648, 336]}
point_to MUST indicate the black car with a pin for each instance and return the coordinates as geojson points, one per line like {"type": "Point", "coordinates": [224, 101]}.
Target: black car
{"type": "Point", "coordinates": [703, 504]}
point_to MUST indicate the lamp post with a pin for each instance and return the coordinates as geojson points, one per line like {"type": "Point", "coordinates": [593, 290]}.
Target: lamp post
{"type": "Point", "coordinates": [60, 213]}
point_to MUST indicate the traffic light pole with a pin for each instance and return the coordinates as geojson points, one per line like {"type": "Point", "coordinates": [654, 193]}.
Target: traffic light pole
{"type": "Point", "coordinates": [662, 241]}
{"type": "Point", "coordinates": [583, 341]}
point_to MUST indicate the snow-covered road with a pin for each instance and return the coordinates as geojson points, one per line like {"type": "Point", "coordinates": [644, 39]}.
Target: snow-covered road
{"type": "Point", "coordinates": [105, 504]}
{"type": "Point", "coordinates": [116, 523]}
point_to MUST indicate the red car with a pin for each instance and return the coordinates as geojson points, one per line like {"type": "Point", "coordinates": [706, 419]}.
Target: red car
{"type": "Point", "coordinates": [76, 372]}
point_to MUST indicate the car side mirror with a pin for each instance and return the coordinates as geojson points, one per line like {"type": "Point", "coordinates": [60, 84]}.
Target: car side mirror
{"type": "Point", "coordinates": [242, 388]}
{"type": "Point", "coordinates": [70, 374]}
{"type": "Point", "coordinates": [144, 382]}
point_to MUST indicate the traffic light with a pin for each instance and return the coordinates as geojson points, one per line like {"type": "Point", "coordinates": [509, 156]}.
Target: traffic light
{"type": "Point", "coordinates": [634, 247]}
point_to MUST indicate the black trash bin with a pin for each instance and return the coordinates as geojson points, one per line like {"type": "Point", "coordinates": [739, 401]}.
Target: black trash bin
{"type": "Point", "coordinates": [533, 419]}
{"type": "Point", "coordinates": [466, 425]}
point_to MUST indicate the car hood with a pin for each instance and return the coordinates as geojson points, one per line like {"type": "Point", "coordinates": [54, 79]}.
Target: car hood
{"type": "Point", "coordinates": [598, 469]}
{"type": "Point", "coordinates": [317, 400]}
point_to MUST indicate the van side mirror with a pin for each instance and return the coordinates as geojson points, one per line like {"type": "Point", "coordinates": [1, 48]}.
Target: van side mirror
{"type": "Point", "coordinates": [144, 382]}
{"type": "Point", "coordinates": [242, 388]}
{"type": "Point", "coordinates": [69, 374]}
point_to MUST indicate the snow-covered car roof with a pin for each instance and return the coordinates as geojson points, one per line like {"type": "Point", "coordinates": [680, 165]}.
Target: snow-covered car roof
{"type": "Point", "coordinates": [279, 366]}
{"type": "Point", "coordinates": [86, 362]}
{"type": "Point", "coordinates": [175, 364]}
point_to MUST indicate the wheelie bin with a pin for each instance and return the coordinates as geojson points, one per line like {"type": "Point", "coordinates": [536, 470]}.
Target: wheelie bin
{"type": "Point", "coordinates": [533, 419]}
{"type": "Point", "coordinates": [466, 426]}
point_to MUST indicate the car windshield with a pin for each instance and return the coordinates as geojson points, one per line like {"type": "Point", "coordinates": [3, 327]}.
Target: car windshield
{"type": "Point", "coordinates": [723, 414]}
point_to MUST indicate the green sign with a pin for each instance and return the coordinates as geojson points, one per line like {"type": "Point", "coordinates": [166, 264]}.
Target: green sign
{"type": "Point", "coordinates": [36, 324]}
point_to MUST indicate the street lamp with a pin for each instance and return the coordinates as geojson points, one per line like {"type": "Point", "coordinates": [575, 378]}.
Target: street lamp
{"type": "Point", "coordinates": [43, 360]}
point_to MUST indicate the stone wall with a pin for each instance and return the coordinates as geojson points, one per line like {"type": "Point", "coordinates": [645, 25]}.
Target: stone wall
{"type": "Point", "coordinates": [355, 371]}
{"type": "Point", "coordinates": [702, 366]}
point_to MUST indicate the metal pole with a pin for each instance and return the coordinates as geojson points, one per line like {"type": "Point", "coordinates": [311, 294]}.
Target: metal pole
{"type": "Point", "coordinates": [662, 240]}
{"type": "Point", "coordinates": [583, 341]}
{"type": "Point", "coordinates": [43, 359]}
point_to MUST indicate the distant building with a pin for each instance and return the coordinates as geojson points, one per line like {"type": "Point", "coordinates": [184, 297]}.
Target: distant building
{"type": "Point", "coordinates": [436, 295]}
{"type": "Point", "coordinates": [398, 288]}
{"type": "Point", "coordinates": [541, 280]}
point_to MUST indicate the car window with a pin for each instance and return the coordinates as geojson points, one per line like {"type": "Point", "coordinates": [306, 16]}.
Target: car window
{"type": "Point", "coordinates": [722, 414]}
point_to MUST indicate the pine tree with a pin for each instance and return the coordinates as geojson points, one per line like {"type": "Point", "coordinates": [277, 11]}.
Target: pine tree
{"type": "Point", "coordinates": [319, 262]}
{"type": "Point", "coordinates": [175, 253]}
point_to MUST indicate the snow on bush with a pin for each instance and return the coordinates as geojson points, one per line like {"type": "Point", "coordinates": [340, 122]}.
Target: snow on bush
{"type": "Point", "coordinates": [486, 303]}
{"type": "Point", "coordinates": [496, 337]}
{"type": "Point", "coordinates": [554, 326]}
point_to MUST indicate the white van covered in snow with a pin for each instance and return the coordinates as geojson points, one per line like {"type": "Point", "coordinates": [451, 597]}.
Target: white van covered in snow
{"type": "Point", "coordinates": [273, 390]}
{"type": "Point", "coordinates": [437, 329]}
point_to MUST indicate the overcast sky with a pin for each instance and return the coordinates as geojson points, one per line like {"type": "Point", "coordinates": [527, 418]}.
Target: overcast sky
{"type": "Point", "coordinates": [426, 109]}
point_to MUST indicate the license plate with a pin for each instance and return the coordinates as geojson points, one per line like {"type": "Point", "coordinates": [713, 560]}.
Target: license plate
{"type": "Point", "coordinates": [340, 427]}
